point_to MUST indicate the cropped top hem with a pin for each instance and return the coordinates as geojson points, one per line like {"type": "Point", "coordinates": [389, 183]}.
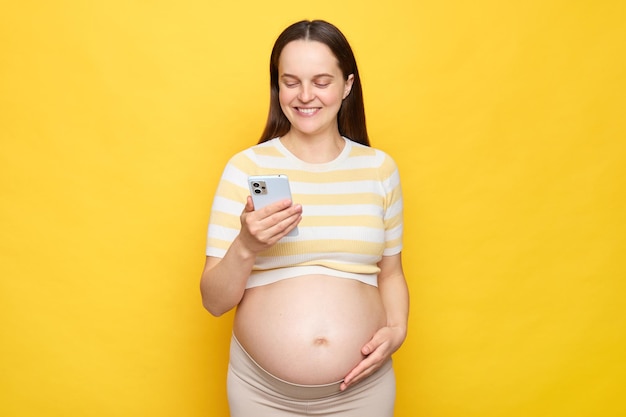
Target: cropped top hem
{"type": "Point", "coordinates": [260, 278]}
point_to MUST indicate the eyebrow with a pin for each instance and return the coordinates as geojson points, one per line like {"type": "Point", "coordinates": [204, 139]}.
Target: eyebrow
{"type": "Point", "coordinates": [315, 76]}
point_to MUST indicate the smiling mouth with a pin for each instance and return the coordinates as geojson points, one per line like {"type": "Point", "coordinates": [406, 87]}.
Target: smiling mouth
{"type": "Point", "coordinates": [307, 111]}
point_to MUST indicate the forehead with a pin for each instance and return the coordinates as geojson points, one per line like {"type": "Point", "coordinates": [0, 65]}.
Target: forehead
{"type": "Point", "coordinates": [303, 57]}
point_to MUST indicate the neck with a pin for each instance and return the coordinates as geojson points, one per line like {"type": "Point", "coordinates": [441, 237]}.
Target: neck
{"type": "Point", "coordinates": [314, 149]}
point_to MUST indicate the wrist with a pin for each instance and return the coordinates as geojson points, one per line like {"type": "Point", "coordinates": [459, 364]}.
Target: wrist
{"type": "Point", "coordinates": [401, 330]}
{"type": "Point", "coordinates": [244, 253]}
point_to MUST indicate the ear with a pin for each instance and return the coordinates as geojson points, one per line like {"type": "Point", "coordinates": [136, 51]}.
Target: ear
{"type": "Point", "coordinates": [348, 86]}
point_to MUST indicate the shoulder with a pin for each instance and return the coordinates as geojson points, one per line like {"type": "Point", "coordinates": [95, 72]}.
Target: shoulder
{"type": "Point", "coordinates": [254, 155]}
{"type": "Point", "coordinates": [375, 157]}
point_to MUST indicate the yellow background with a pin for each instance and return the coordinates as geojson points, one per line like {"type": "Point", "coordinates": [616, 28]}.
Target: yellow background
{"type": "Point", "coordinates": [507, 122]}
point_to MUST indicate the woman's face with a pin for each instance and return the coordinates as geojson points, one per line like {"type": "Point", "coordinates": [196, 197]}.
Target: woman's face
{"type": "Point", "coordinates": [311, 87]}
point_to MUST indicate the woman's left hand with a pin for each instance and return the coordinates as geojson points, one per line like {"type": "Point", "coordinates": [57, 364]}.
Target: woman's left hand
{"type": "Point", "coordinates": [377, 351]}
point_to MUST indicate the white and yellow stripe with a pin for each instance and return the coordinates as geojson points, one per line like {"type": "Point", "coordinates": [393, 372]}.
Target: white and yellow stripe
{"type": "Point", "coordinates": [352, 212]}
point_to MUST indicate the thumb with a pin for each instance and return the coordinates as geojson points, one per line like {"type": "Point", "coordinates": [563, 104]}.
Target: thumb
{"type": "Point", "coordinates": [249, 205]}
{"type": "Point", "coordinates": [368, 348]}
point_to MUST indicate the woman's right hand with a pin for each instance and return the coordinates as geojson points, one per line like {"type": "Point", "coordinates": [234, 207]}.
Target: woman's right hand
{"type": "Point", "coordinates": [261, 229]}
{"type": "Point", "coordinates": [223, 281]}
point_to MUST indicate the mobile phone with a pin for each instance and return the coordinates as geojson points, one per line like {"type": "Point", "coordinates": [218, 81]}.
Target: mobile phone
{"type": "Point", "coordinates": [267, 189]}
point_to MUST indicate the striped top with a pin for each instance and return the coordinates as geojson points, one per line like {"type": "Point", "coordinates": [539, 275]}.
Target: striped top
{"type": "Point", "coordinates": [351, 212]}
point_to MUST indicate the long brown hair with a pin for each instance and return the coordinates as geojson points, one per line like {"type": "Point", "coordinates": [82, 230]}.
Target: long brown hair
{"type": "Point", "coordinates": [351, 116]}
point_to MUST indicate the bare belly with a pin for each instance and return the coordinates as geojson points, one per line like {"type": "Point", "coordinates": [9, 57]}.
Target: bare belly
{"type": "Point", "coordinates": [310, 329]}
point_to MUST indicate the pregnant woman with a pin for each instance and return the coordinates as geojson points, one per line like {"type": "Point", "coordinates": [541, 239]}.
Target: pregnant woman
{"type": "Point", "coordinates": [318, 314]}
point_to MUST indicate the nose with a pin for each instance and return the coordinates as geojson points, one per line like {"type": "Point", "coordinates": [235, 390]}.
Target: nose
{"type": "Point", "coordinates": [306, 93]}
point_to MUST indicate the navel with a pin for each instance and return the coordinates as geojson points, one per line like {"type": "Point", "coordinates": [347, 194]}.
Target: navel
{"type": "Point", "coordinates": [320, 341]}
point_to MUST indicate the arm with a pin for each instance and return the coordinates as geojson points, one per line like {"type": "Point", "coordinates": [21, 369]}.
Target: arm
{"type": "Point", "coordinates": [395, 296]}
{"type": "Point", "coordinates": [223, 281]}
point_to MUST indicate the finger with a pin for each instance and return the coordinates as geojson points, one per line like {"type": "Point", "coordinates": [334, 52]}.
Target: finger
{"type": "Point", "coordinates": [374, 343]}
{"type": "Point", "coordinates": [249, 205]}
{"type": "Point", "coordinates": [283, 227]}
{"type": "Point", "coordinates": [369, 347]}
{"type": "Point", "coordinates": [283, 218]}
{"type": "Point", "coordinates": [363, 369]}
{"type": "Point", "coordinates": [274, 208]}
{"type": "Point", "coordinates": [348, 382]}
